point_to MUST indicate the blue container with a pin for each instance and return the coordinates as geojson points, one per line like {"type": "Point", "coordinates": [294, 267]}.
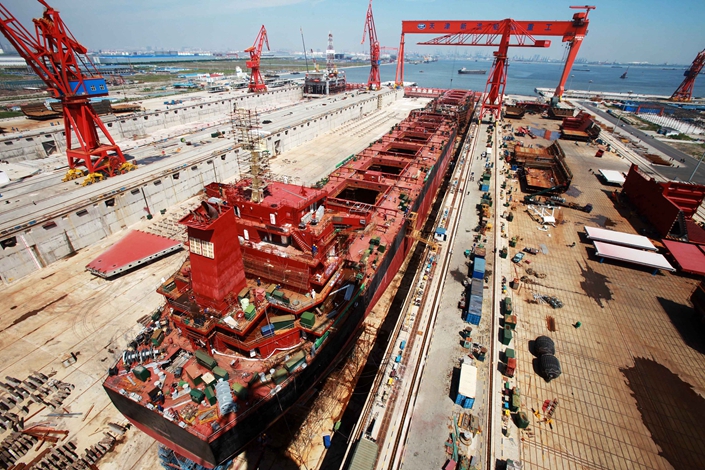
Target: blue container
{"type": "Point", "coordinates": [268, 330]}
{"type": "Point", "coordinates": [485, 187]}
{"type": "Point", "coordinates": [459, 399]}
{"type": "Point", "coordinates": [479, 265]}
{"type": "Point", "coordinates": [468, 402]}
{"type": "Point", "coordinates": [326, 441]}
{"type": "Point", "coordinates": [473, 319]}
{"type": "Point", "coordinates": [402, 345]}
{"type": "Point", "coordinates": [90, 86]}
{"type": "Point", "coordinates": [478, 269]}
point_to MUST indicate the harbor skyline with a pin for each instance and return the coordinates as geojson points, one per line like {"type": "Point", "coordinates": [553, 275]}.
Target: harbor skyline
{"type": "Point", "coordinates": [653, 34]}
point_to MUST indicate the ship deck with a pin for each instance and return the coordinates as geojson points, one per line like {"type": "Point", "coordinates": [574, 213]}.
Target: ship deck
{"type": "Point", "coordinates": [539, 178]}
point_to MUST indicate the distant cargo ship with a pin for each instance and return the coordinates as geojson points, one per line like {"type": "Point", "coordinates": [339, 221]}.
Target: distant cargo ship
{"type": "Point", "coordinates": [465, 71]}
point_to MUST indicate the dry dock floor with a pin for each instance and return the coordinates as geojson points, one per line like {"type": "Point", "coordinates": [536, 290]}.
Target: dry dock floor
{"type": "Point", "coordinates": [631, 391]}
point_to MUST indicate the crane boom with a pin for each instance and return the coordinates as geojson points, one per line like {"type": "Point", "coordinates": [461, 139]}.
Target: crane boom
{"type": "Point", "coordinates": [684, 92]}
{"type": "Point", "coordinates": [503, 34]}
{"type": "Point", "coordinates": [373, 82]}
{"type": "Point", "coordinates": [256, 81]}
{"type": "Point", "coordinates": [61, 62]}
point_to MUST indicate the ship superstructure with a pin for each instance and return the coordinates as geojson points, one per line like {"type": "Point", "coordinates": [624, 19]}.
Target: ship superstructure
{"type": "Point", "coordinates": [276, 286]}
{"type": "Point", "coordinates": [329, 81]}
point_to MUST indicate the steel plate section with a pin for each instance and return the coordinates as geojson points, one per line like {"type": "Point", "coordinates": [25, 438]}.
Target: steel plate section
{"type": "Point", "coordinates": [689, 257]}
{"type": "Point", "coordinates": [619, 238]}
{"type": "Point", "coordinates": [134, 249]}
{"type": "Point", "coordinates": [613, 177]}
{"type": "Point", "coordinates": [623, 253]}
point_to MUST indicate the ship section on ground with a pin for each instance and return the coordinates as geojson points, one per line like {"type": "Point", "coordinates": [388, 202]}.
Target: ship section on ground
{"type": "Point", "coordinates": [619, 238]}
{"type": "Point", "coordinates": [135, 249]}
{"type": "Point", "coordinates": [632, 255]}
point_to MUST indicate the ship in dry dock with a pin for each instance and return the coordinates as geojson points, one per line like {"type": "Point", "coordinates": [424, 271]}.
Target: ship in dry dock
{"type": "Point", "coordinates": [278, 280]}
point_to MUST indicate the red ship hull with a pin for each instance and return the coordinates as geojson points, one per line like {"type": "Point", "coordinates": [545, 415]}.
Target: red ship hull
{"type": "Point", "coordinates": [229, 439]}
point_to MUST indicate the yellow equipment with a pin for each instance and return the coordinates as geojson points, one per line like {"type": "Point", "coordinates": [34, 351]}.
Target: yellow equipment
{"type": "Point", "coordinates": [73, 174]}
{"type": "Point", "coordinates": [93, 178]}
{"type": "Point", "coordinates": [127, 166]}
{"type": "Point", "coordinates": [411, 232]}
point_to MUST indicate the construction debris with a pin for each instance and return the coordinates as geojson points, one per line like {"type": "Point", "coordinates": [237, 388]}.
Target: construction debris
{"type": "Point", "coordinates": [554, 302]}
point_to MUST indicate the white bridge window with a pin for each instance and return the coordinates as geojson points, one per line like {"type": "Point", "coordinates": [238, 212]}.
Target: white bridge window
{"type": "Point", "coordinates": [201, 247]}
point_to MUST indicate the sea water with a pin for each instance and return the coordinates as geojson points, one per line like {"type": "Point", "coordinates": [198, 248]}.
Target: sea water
{"type": "Point", "coordinates": [524, 77]}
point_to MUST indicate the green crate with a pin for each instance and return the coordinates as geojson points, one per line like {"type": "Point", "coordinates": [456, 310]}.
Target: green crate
{"type": "Point", "coordinates": [239, 390]}
{"type": "Point", "coordinates": [197, 396]}
{"type": "Point", "coordinates": [220, 373]}
{"type": "Point", "coordinates": [279, 375]}
{"type": "Point", "coordinates": [157, 337]}
{"type": "Point", "coordinates": [506, 336]}
{"type": "Point", "coordinates": [204, 359]}
{"type": "Point", "coordinates": [282, 321]}
{"type": "Point", "coordinates": [244, 293]}
{"type": "Point", "coordinates": [142, 373]}
{"type": "Point", "coordinates": [278, 294]}
{"type": "Point", "coordinates": [250, 312]}
{"type": "Point", "coordinates": [295, 361]}
{"type": "Point", "coordinates": [308, 319]}
{"type": "Point", "coordinates": [210, 395]}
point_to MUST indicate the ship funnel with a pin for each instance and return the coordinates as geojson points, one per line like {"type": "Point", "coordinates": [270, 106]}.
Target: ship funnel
{"type": "Point", "coordinates": [210, 210]}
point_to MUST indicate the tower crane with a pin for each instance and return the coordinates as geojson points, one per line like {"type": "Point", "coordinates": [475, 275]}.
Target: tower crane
{"type": "Point", "coordinates": [685, 91]}
{"type": "Point", "coordinates": [330, 56]}
{"type": "Point", "coordinates": [256, 81]}
{"type": "Point", "coordinates": [373, 82]}
{"type": "Point", "coordinates": [61, 62]}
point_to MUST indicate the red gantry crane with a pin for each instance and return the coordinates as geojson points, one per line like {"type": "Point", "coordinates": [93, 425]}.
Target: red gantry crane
{"type": "Point", "coordinates": [685, 91]}
{"type": "Point", "coordinates": [504, 33]}
{"type": "Point", "coordinates": [373, 82]}
{"type": "Point", "coordinates": [61, 62]}
{"type": "Point", "coordinates": [256, 81]}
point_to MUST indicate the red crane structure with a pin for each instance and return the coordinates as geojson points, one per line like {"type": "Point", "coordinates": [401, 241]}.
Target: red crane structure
{"type": "Point", "coordinates": [373, 82]}
{"type": "Point", "coordinates": [61, 62]}
{"type": "Point", "coordinates": [685, 91]}
{"type": "Point", "coordinates": [256, 81]}
{"type": "Point", "coordinates": [503, 34]}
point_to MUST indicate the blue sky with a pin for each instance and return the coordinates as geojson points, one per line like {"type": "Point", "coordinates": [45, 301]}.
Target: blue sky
{"type": "Point", "coordinates": [621, 30]}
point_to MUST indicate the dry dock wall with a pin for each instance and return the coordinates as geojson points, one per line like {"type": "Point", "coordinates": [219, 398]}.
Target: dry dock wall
{"type": "Point", "coordinates": [293, 136]}
{"type": "Point", "coordinates": [30, 247]}
{"type": "Point", "coordinates": [50, 140]}
{"type": "Point", "coordinates": [67, 230]}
